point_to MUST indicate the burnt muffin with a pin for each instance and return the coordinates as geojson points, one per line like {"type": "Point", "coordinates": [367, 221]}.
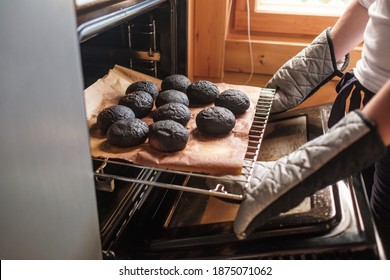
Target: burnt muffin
{"type": "Point", "coordinates": [173, 111]}
{"type": "Point", "coordinates": [147, 86]}
{"type": "Point", "coordinates": [215, 121]}
{"type": "Point", "coordinates": [168, 136]}
{"type": "Point", "coordinates": [202, 92]}
{"type": "Point", "coordinates": [234, 100]}
{"type": "Point", "coordinates": [112, 114]}
{"type": "Point", "coordinates": [140, 102]}
{"type": "Point", "coordinates": [171, 95]}
{"type": "Point", "coordinates": [127, 133]}
{"type": "Point", "coordinates": [176, 82]}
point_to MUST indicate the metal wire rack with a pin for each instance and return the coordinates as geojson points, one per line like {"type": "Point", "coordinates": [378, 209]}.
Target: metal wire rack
{"type": "Point", "coordinates": [256, 133]}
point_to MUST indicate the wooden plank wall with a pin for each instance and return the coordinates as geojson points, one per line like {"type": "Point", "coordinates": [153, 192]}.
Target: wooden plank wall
{"type": "Point", "coordinates": [209, 20]}
{"type": "Point", "coordinates": [220, 57]}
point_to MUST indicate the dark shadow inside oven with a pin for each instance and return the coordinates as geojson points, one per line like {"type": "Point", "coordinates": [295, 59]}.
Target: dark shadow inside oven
{"type": "Point", "coordinates": [144, 44]}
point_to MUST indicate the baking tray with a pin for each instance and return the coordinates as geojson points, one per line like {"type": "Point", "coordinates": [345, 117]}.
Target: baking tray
{"type": "Point", "coordinates": [255, 138]}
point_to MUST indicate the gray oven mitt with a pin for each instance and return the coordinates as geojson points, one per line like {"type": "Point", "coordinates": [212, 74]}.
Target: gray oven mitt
{"type": "Point", "coordinates": [305, 73]}
{"type": "Point", "coordinates": [348, 147]}
{"type": "Point", "coordinates": [235, 184]}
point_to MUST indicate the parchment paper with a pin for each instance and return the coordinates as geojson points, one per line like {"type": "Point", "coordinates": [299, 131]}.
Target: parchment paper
{"type": "Point", "coordinates": [211, 155]}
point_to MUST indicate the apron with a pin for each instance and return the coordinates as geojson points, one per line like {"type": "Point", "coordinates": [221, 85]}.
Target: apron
{"type": "Point", "coordinates": [351, 95]}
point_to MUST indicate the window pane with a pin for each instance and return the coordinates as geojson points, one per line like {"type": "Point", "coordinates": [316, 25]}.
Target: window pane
{"type": "Point", "coordinates": [311, 7]}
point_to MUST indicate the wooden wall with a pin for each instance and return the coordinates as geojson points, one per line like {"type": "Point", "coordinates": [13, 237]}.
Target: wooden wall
{"type": "Point", "coordinates": [208, 38]}
{"type": "Point", "coordinates": [221, 54]}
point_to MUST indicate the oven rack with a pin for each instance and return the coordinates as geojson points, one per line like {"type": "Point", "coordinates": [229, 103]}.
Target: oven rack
{"type": "Point", "coordinates": [234, 193]}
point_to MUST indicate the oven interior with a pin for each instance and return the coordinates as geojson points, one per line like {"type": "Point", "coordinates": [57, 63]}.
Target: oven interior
{"type": "Point", "coordinates": [152, 41]}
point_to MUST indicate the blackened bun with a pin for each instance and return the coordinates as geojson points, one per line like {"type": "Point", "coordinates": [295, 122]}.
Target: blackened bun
{"type": "Point", "coordinates": [147, 86]}
{"type": "Point", "coordinates": [140, 102]}
{"type": "Point", "coordinates": [127, 133]}
{"type": "Point", "coordinates": [171, 95]}
{"type": "Point", "coordinates": [202, 92]}
{"type": "Point", "coordinates": [168, 136]}
{"type": "Point", "coordinates": [176, 82]}
{"type": "Point", "coordinates": [234, 100]}
{"type": "Point", "coordinates": [173, 111]}
{"type": "Point", "coordinates": [112, 114]}
{"type": "Point", "coordinates": [215, 121]}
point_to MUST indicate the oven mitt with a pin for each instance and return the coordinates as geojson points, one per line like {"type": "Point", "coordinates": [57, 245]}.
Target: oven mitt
{"type": "Point", "coordinates": [350, 146]}
{"type": "Point", "coordinates": [236, 184]}
{"type": "Point", "coordinates": [305, 73]}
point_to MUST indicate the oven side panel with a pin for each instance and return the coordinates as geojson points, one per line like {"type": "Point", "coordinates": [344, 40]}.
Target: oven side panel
{"type": "Point", "coordinates": [47, 195]}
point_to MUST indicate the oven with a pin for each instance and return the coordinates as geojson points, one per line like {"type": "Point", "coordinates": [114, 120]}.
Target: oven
{"type": "Point", "coordinates": [153, 213]}
{"type": "Point", "coordinates": [67, 204]}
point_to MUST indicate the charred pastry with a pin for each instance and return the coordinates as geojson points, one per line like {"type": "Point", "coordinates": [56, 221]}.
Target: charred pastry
{"type": "Point", "coordinates": [234, 100]}
{"type": "Point", "coordinates": [147, 86]}
{"type": "Point", "coordinates": [215, 121]}
{"type": "Point", "coordinates": [112, 114]}
{"type": "Point", "coordinates": [176, 82]}
{"type": "Point", "coordinates": [173, 111]}
{"type": "Point", "coordinates": [127, 133]}
{"type": "Point", "coordinates": [202, 92]}
{"type": "Point", "coordinates": [171, 95]}
{"type": "Point", "coordinates": [140, 102]}
{"type": "Point", "coordinates": [168, 136]}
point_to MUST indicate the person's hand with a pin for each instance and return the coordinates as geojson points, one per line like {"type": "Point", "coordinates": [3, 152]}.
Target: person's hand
{"type": "Point", "coordinates": [305, 73]}
{"type": "Point", "coordinates": [236, 184]}
{"type": "Point", "coordinates": [350, 146]}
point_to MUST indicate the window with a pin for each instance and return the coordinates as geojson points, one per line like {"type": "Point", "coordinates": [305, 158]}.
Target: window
{"type": "Point", "coordinates": [288, 17]}
{"type": "Point", "coordinates": [303, 7]}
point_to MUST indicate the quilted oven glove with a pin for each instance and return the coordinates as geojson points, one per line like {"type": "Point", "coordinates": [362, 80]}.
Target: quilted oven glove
{"type": "Point", "coordinates": [350, 146]}
{"type": "Point", "coordinates": [305, 73]}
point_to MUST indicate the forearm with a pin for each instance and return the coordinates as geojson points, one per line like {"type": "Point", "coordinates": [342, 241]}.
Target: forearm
{"type": "Point", "coordinates": [348, 30]}
{"type": "Point", "coordinates": [378, 110]}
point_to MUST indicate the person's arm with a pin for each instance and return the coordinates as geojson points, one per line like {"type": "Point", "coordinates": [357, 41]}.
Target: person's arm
{"type": "Point", "coordinates": [324, 58]}
{"type": "Point", "coordinates": [378, 111]}
{"type": "Point", "coordinates": [349, 28]}
{"type": "Point", "coordinates": [354, 143]}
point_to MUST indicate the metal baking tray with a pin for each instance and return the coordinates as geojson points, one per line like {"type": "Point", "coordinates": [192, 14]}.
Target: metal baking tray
{"type": "Point", "coordinates": [105, 178]}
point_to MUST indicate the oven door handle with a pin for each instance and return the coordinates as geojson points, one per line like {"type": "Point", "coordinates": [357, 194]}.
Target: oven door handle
{"type": "Point", "coordinates": [98, 25]}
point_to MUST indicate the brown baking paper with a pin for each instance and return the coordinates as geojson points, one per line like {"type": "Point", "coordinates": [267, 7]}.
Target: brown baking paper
{"type": "Point", "coordinates": [210, 155]}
